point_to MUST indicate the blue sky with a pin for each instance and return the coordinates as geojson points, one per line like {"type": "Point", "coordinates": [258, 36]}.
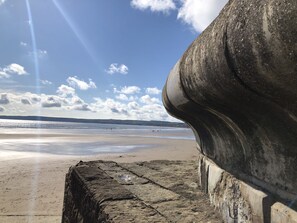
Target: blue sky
{"type": "Point", "coordinates": [94, 58]}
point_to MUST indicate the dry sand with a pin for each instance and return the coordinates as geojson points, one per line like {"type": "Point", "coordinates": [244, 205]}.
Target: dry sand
{"type": "Point", "coordinates": [32, 185]}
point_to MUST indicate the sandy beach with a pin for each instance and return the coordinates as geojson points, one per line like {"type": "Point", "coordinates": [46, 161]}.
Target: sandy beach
{"type": "Point", "coordinates": [32, 184]}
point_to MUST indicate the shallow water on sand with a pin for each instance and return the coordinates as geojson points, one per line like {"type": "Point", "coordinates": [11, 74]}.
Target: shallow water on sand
{"type": "Point", "coordinates": [65, 138]}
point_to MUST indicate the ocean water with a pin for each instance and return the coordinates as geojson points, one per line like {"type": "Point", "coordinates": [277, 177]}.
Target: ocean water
{"type": "Point", "coordinates": [67, 138]}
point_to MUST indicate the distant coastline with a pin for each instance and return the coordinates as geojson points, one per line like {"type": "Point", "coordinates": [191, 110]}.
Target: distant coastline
{"type": "Point", "coordinates": [101, 121]}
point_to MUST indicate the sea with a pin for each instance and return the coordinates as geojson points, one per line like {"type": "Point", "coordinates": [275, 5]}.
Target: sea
{"type": "Point", "coordinates": [72, 138]}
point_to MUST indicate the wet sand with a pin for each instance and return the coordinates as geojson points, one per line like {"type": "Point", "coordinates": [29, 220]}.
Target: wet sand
{"type": "Point", "coordinates": [32, 184]}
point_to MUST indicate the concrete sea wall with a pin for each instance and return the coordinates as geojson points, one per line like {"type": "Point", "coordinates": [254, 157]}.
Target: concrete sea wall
{"type": "Point", "coordinates": [236, 86]}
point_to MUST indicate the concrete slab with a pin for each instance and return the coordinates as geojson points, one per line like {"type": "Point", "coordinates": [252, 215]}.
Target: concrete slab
{"type": "Point", "coordinates": [157, 191]}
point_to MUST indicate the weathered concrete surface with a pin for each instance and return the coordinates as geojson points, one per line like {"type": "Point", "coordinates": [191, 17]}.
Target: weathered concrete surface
{"type": "Point", "coordinates": [236, 87]}
{"type": "Point", "coordinates": [282, 214]}
{"type": "Point", "coordinates": [157, 191]}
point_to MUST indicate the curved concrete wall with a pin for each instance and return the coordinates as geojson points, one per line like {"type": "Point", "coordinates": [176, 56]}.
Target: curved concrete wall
{"type": "Point", "coordinates": [236, 86]}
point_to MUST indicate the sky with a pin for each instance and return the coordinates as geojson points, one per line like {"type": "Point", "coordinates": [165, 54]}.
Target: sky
{"type": "Point", "coordinates": [99, 59]}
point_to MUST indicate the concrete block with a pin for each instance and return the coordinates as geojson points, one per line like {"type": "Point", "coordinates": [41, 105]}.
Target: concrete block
{"type": "Point", "coordinates": [214, 177]}
{"type": "Point", "coordinates": [281, 213]}
{"type": "Point", "coordinates": [259, 202]}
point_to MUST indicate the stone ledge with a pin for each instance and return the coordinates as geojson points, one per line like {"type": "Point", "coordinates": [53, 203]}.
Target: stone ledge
{"type": "Point", "coordinates": [156, 191]}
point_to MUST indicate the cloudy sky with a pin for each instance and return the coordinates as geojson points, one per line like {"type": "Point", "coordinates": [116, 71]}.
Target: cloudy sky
{"type": "Point", "coordinates": [94, 58]}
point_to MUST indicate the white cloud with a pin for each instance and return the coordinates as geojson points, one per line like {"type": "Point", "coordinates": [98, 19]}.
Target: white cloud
{"type": "Point", "coordinates": [81, 107]}
{"type": "Point", "coordinates": [154, 5]}
{"type": "Point", "coordinates": [66, 103]}
{"type": "Point", "coordinates": [133, 98]}
{"type": "Point", "coordinates": [130, 90]}
{"type": "Point", "coordinates": [52, 102]}
{"type": "Point", "coordinates": [23, 44]}
{"type": "Point", "coordinates": [65, 91]}
{"type": "Point", "coordinates": [2, 1]}
{"type": "Point", "coordinates": [146, 99]}
{"type": "Point", "coordinates": [122, 97]}
{"type": "Point", "coordinates": [4, 74]}
{"type": "Point", "coordinates": [200, 13]}
{"type": "Point", "coordinates": [153, 90]}
{"type": "Point", "coordinates": [129, 106]}
{"type": "Point", "coordinates": [115, 68]}
{"type": "Point", "coordinates": [28, 103]}
{"type": "Point", "coordinates": [75, 100]}
{"type": "Point", "coordinates": [15, 69]}
{"type": "Point", "coordinates": [111, 107]}
{"type": "Point", "coordinates": [25, 101]}
{"type": "Point", "coordinates": [116, 107]}
{"type": "Point", "coordinates": [133, 105]}
{"type": "Point", "coordinates": [143, 108]}
{"type": "Point", "coordinates": [4, 99]}
{"type": "Point", "coordinates": [80, 84]}
{"type": "Point", "coordinates": [34, 98]}
{"type": "Point", "coordinates": [154, 112]}
{"type": "Point", "coordinates": [11, 69]}
{"type": "Point", "coordinates": [196, 13]}
{"type": "Point", "coordinates": [46, 82]}
{"type": "Point", "coordinates": [39, 53]}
